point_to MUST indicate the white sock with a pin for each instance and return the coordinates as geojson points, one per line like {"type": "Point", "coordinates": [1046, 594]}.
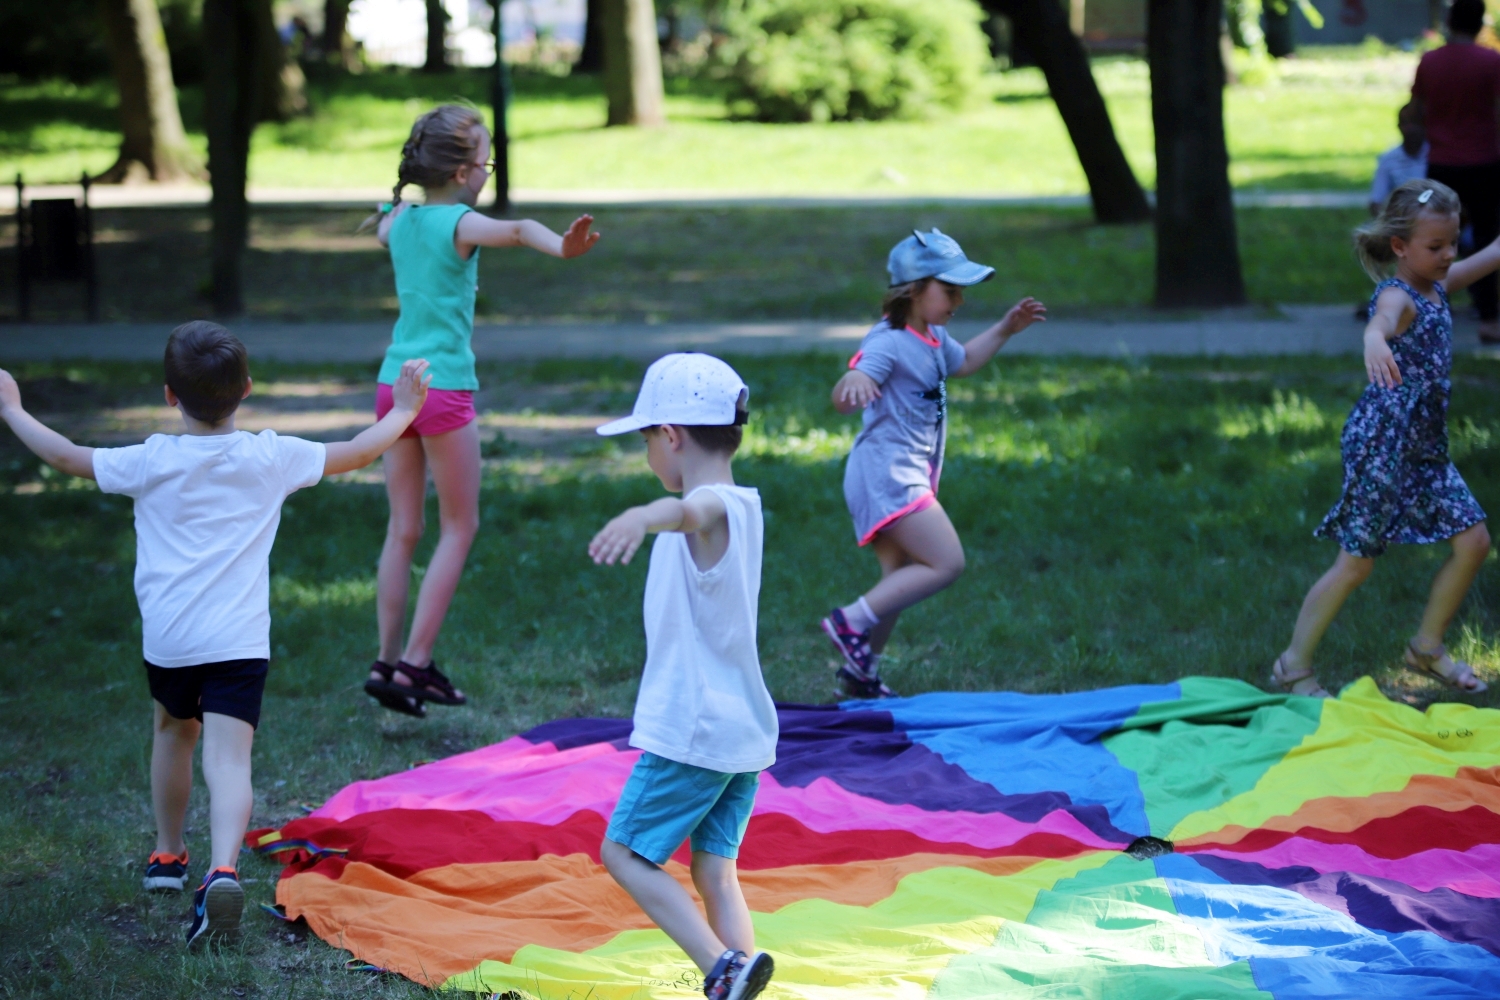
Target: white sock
{"type": "Point", "coordinates": [860, 617]}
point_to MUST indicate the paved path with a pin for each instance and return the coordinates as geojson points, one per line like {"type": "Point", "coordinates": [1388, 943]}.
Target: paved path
{"type": "Point", "coordinates": [185, 195]}
{"type": "Point", "coordinates": [1302, 330]}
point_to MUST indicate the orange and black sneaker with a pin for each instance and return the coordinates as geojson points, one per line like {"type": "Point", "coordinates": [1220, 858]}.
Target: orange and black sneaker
{"type": "Point", "coordinates": [166, 872]}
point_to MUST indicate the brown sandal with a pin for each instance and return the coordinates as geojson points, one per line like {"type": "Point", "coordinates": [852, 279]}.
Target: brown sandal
{"type": "Point", "coordinates": [1461, 679]}
{"type": "Point", "coordinates": [1288, 684]}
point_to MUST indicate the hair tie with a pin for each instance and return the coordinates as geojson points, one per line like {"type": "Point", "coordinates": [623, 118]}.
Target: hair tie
{"type": "Point", "coordinates": [1424, 197]}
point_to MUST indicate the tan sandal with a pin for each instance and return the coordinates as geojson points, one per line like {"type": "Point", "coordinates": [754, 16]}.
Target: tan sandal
{"type": "Point", "coordinates": [1462, 678]}
{"type": "Point", "coordinates": [1288, 684]}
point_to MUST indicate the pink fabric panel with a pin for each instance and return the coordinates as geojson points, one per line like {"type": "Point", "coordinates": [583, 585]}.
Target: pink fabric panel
{"type": "Point", "coordinates": [1475, 872]}
{"type": "Point", "coordinates": [537, 784]}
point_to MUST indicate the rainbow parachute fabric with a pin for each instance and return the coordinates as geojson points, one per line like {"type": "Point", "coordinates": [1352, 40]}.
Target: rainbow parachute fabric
{"type": "Point", "coordinates": [962, 846]}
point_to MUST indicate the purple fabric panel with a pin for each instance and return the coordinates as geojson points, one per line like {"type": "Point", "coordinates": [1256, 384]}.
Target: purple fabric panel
{"type": "Point", "coordinates": [863, 753]}
{"type": "Point", "coordinates": [1377, 903]}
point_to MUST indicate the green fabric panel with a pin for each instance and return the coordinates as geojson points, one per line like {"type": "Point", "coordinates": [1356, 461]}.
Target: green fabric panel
{"type": "Point", "coordinates": [1216, 699]}
{"type": "Point", "coordinates": [1109, 932]}
{"type": "Point", "coordinates": [1184, 767]}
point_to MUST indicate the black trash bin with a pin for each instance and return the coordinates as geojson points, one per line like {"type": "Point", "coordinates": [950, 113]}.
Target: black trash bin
{"type": "Point", "coordinates": [55, 242]}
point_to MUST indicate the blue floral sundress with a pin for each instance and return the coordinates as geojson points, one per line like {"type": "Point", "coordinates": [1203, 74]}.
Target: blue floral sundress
{"type": "Point", "coordinates": [1399, 484]}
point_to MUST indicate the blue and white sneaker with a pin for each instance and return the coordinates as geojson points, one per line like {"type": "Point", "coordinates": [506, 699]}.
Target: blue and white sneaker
{"type": "Point", "coordinates": [737, 976]}
{"type": "Point", "coordinates": [217, 907]}
{"type": "Point", "coordinates": [165, 872]}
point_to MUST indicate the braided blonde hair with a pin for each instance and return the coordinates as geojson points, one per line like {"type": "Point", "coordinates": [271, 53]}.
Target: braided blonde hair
{"type": "Point", "coordinates": [1397, 218]}
{"type": "Point", "coordinates": [441, 142]}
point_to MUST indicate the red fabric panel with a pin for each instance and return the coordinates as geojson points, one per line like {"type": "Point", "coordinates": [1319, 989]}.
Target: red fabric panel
{"type": "Point", "coordinates": [1420, 828]}
{"type": "Point", "coordinates": [405, 841]}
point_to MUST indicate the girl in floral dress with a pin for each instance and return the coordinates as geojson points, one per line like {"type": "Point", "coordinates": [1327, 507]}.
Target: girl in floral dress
{"type": "Point", "coordinates": [1399, 484]}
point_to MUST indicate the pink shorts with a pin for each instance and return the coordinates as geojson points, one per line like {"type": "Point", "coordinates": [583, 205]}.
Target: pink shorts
{"type": "Point", "coordinates": [445, 410]}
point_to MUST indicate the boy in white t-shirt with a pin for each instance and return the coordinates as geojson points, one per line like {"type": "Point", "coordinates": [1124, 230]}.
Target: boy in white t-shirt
{"type": "Point", "coordinates": [207, 505]}
{"type": "Point", "coordinates": [703, 717]}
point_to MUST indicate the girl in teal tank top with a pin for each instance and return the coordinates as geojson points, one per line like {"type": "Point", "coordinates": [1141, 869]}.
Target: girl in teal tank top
{"type": "Point", "coordinates": [435, 252]}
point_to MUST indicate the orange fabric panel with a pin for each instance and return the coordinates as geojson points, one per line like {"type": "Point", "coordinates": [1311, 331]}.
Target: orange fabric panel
{"type": "Point", "coordinates": [1470, 786]}
{"type": "Point", "coordinates": [444, 921]}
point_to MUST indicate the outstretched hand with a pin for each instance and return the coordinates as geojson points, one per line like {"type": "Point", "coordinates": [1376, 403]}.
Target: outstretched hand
{"type": "Point", "coordinates": [1380, 364]}
{"type": "Point", "coordinates": [578, 241]}
{"type": "Point", "coordinates": [10, 392]}
{"type": "Point", "coordinates": [855, 391]}
{"type": "Point", "coordinates": [1022, 315]}
{"type": "Point", "coordinates": [618, 540]}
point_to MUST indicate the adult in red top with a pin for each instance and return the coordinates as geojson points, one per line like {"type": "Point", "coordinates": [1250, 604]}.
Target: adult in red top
{"type": "Point", "coordinates": [1457, 93]}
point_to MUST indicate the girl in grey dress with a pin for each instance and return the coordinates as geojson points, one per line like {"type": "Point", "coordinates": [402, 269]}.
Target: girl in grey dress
{"type": "Point", "coordinates": [899, 378]}
{"type": "Point", "coordinates": [1399, 484]}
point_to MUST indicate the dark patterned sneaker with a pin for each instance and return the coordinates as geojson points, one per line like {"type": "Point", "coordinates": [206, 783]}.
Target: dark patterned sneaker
{"type": "Point", "coordinates": [737, 976]}
{"type": "Point", "coordinates": [165, 872]}
{"type": "Point", "coordinates": [864, 688]}
{"type": "Point", "coordinates": [853, 646]}
{"type": "Point", "coordinates": [217, 907]}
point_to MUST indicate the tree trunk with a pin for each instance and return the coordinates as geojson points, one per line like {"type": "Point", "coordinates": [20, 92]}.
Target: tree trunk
{"type": "Point", "coordinates": [437, 38]}
{"type": "Point", "coordinates": [1041, 28]}
{"type": "Point", "coordinates": [336, 47]}
{"type": "Point", "coordinates": [153, 145]}
{"type": "Point", "coordinates": [632, 63]}
{"type": "Point", "coordinates": [1197, 258]}
{"type": "Point", "coordinates": [234, 90]}
{"type": "Point", "coordinates": [1281, 38]}
{"type": "Point", "coordinates": [591, 57]}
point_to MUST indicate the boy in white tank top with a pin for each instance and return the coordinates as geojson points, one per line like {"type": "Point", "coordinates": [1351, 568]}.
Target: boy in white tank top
{"type": "Point", "coordinates": [704, 721]}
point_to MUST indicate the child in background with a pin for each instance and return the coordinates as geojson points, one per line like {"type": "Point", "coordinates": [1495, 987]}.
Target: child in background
{"type": "Point", "coordinates": [435, 253]}
{"type": "Point", "coordinates": [703, 718]}
{"type": "Point", "coordinates": [207, 505]}
{"type": "Point", "coordinates": [899, 378]}
{"type": "Point", "coordinates": [1405, 161]}
{"type": "Point", "coordinates": [1399, 484]}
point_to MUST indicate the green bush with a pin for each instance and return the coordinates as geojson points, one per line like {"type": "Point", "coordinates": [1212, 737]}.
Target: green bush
{"type": "Point", "coordinates": [822, 60]}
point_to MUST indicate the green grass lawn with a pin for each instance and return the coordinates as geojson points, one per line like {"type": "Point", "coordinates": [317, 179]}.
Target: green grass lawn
{"type": "Point", "coordinates": [692, 264]}
{"type": "Point", "coordinates": [1314, 122]}
{"type": "Point", "coordinates": [1124, 523]}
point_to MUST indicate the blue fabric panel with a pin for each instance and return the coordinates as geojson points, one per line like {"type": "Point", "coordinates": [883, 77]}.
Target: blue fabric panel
{"type": "Point", "coordinates": [1299, 948]}
{"type": "Point", "coordinates": [1051, 741]}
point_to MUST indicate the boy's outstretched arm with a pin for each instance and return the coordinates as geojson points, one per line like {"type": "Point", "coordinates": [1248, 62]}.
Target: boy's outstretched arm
{"type": "Point", "coordinates": [1473, 267]}
{"type": "Point", "coordinates": [618, 540]}
{"type": "Point", "coordinates": [50, 446]}
{"type": "Point", "coordinates": [408, 393]}
{"type": "Point", "coordinates": [480, 230]}
{"type": "Point", "coordinates": [979, 351]}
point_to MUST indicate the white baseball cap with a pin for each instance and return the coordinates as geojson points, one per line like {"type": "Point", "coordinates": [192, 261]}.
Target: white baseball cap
{"type": "Point", "coordinates": [691, 390]}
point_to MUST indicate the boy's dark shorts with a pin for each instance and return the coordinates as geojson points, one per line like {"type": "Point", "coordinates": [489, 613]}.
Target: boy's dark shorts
{"type": "Point", "coordinates": [230, 687]}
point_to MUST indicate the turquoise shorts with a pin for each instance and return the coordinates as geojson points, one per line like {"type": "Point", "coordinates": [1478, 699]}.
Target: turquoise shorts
{"type": "Point", "coordinates": [665, 802]}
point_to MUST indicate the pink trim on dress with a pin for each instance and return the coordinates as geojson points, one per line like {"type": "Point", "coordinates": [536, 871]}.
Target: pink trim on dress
{"type": "Point", "coordinates": [921, 503]}
{"type": "Point", "coordinates": [925, 338]}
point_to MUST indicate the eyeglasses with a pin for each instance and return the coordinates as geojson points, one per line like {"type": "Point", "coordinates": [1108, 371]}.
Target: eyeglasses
{"type": "Point", "coordinates": [488, 166]}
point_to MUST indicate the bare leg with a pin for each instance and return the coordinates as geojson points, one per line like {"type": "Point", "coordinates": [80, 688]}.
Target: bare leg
{"type": "Point", "coordinates": [919, 556]}
{"type": "Point", "coordinates": [1319, 609]}
{"type": "Point", "coordinates": [892, 557]}
{"type": "Point", "coordinates": [1470, 549]}
{"type": "Point", "coordinates": [172, 744]}
{"type": "Point", "coordinates": [406, 487]}
{"type": "Point", "coordinates": [454, 461]}
{"type": "Point", "coordinates": [719, 884]}
{"type": "Point", "coordinates": [226, 771]}
{"type": "Point", "coordinates": [667, 904]}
